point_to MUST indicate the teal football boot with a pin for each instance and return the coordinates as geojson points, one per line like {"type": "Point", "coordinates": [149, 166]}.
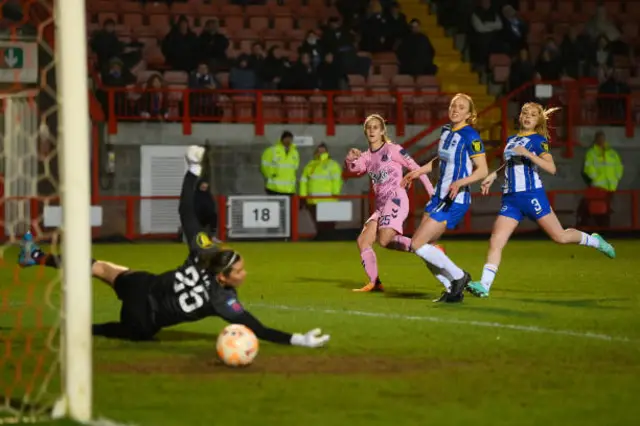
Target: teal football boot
{"type": "Point", "coordinates": [477, 289]}
{"type": "Point", "coordinates": [605, 247]}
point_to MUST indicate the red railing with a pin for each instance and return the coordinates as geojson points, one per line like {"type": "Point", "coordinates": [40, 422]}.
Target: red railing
{"type": "Point", "coordinates": [581, 105]}
{"type": "Point", "coordinates": [259, 108]}
{"type": "Point", "coordinates": [122, 214]}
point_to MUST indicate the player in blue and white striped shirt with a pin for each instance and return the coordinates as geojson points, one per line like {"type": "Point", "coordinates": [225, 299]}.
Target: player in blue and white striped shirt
{"type": "Point", "coordinates": [524, 195]}
{"type": "Point", "coordinates": [462, 163]}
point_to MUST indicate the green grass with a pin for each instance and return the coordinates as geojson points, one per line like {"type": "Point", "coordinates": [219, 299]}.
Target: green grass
{"type": "Point", "coordinates": [557, 343]}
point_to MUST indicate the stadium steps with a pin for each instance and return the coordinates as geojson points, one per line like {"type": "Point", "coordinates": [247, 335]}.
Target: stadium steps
{"type": "Point", "coordinates": [454, 74]}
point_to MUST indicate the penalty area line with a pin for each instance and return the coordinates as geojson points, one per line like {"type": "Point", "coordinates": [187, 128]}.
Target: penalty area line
{"type": "Point", "coordinates": [441, 320]}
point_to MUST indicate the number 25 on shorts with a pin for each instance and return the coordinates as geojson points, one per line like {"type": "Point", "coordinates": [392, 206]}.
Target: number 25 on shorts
{"type": "Point", "coordinates": [384, 220]}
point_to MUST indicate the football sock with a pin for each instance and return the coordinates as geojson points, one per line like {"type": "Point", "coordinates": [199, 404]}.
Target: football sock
{"type": "Point", "coordinates": [588, 240]}
{"type": "Point", "coordinates": [437, 258]}
{"type": "Point", "coordinates": [440, 275]}
{"type": "Point", "coordinates": [370, 264]}
{"type": "Point", "coordinates": [400, 243]}
{"type": "Point", "coordinates": [488, 275]}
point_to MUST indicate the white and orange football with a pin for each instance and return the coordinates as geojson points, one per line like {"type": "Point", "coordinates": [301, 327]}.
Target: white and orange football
{"type": "Point", "coordinates": [237, 345]}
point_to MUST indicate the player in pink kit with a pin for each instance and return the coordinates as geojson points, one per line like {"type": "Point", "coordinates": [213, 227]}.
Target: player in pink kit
{"type": "Point", "coordinates": [384, 162]}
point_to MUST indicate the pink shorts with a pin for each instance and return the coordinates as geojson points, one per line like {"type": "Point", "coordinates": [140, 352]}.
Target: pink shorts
{"type": "Point", "coordinates": [393, 213]}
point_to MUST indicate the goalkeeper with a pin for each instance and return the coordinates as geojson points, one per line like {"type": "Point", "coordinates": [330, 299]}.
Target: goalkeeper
{"type": "Point", "coordinates": [204, 286]}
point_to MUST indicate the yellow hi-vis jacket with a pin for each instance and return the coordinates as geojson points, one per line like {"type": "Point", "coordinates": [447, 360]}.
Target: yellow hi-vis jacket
{"type": "Point", "coordinates": [604, 167]}
{"type": "Point", "coordinates": [279, 168]}
{"type": "Point", "coordinates": [321, 177]}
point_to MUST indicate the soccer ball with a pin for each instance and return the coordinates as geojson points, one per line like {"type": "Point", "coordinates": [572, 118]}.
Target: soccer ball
{"type": "Point", "coordinates": [237, 346]}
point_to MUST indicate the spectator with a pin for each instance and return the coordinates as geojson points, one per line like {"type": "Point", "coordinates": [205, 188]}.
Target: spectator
{"type": "Point", "coordinates": [116, 76]}
{"type": "Point", "coordinates": [105, 44]}
{"type": "Point", "coordinates": [412, 63]}
{"type": "Point", "coordinates": [241, 77]}
{"type": "Point", "coordinates": [485, 34]}
{"type": "Point", "coordinates": [601, 25]}
{"type": "Point", "coordinates": [601, 60]}
{"type": "Point", "coordinates": [132, 50]}
{"type": "Point", "coordinates": [574, 50]}
{"type": "Point", "coordinates": [257, 57]}
{"type": "Point", "coordinates": [549, 66]}
{"type": "Point", "coordinates": [213, 44]}
{"type": "Point", "coordinates": [153, 103]}
{"type": "Point", "coordinates": [515, 30]}
{"type": "Point", "coordinates": [202, 98]}
{"type": "Point", "coordinates": [180, 46]}
{"type": "Point", "coordinates": [274, 69]}
{"type": "Point", "coordinates": [351, 10]}
{"type": "Point", "coordinates": [522, 72]}
{"type": "Point", "coordinates": [312, 47]}
{"type": "Point", "coordinates": [375, 32]}
{"type": "Point", "coordinates": [398, 26]}
{"type": "Point", "coordinates": [331, 75]}
{"type": "Point", "coordinates": [322, 176]}
{"type": "Point", "coordinates": [603, 170]}
{"type": "Point", "coordinates": [612, 102]}
{"type": "Point", "coordinates": [280, 164]}
{"type": "Point", "coordinates": [302, 76]}
{"type": "Point", "coordinates": [335, 37]}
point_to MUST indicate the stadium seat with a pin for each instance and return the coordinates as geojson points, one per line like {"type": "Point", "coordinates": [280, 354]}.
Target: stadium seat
{"type": "Point", "coordinates": [346, 110]}
{"type": "Point", "coordinates": [388, 70]}
{"type": "Point", "coordinates": [565, 8]}
{"type": "Point", "coordinates": [297, 109]}
{"type": "Point", "coordinates": [227, 10]}
{"type": "Point", "coordinates": [402, 80]}
{"type": "Point", "coordinates": [259, 23]}
{"type": "Point", "coordinates": [156, 8]}
{"type": "Point", "coordinates": [243, 108]}
{"type": "Point", "coordinates": [318, 107]}
{"type": "Point", "coordinates": [224, 103]}
{"type": "Point", "coordinates": [132, 20]}
{"type": "Point", "coordinates": [272, 109]}
{"type": "Point", "coordinates": [499, 60]}
{"type": "Point", "coordinates": [283, 23]}
{"type": "Point", "coordinates": [176, 77]}
{"type": "Point", "coordinates": [501, 74]}
{"type": "Point", "coordinates": [427, 83]}
{"type": "Point", "coordinates": [187, 9]}
{"type": "Point", "coordinates": [378, 83]}
{"type": "Point", "coordinates": [233, 23]}
{"type": "Point", "coordinates": [103, 16]}
{"type": "Point", "coordinates": [307, 24]}
{"type": "Point", "coordinates": [257, 10]}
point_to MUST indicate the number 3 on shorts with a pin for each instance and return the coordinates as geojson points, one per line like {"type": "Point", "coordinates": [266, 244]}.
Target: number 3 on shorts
{"type": "Point", "coordinates": [384, 220]}
{"type": "Point", "coordinates": [536, 205]}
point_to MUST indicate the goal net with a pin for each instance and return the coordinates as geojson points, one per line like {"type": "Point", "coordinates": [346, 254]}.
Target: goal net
{"type": "Point", "coordinates": [45, 341]}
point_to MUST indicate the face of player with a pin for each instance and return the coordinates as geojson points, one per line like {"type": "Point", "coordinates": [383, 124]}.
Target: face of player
{"type": "Point", "coordinates": [236, 275]}
{"type": "Point", "coordinates": [374, 131]}
{"type": "Point", "coordinates": [529, 118]}
{"type": "Point", "coordinates": [459, 111]}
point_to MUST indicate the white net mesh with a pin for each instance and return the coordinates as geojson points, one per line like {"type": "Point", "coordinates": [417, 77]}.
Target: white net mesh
{"type": "Point", "coordinates": [29, 298]}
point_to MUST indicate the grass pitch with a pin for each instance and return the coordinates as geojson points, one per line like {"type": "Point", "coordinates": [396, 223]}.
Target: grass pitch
{"type": "Point", "coordinates": [557, 343]}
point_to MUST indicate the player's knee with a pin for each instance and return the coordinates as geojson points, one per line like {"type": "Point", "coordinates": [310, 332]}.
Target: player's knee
{"type": "Point", "coordinates": [415, 245]}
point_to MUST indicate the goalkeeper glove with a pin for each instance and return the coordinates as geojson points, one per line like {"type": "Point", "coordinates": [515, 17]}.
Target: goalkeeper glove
{"type": "Point", "coordinates": [194, 157]}
{"type": "Point", "coordinates": [311, 339]}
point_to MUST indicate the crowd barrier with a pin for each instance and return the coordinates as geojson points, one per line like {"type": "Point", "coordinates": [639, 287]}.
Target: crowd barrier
{"type": "Point", "coordinates": [124, 217]}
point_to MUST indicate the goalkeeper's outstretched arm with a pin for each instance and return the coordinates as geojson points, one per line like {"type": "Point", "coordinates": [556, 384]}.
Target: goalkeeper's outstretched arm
{"type": "Point", "coordinates": [187, 208]}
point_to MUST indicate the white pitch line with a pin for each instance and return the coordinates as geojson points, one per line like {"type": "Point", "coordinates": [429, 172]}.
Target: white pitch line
{"type": "Point", "coordinates": [441, 320]}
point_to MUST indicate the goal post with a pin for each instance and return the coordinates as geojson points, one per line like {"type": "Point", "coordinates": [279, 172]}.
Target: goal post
{"type": "Point", "coordinates": [74, 150]}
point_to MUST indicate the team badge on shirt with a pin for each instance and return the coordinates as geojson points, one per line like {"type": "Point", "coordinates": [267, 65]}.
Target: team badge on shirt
{"type": "Point", "coordinates": [545, 146]}
{"type": "Point", "coordinates": [234, 305]}
{"type": "Point", "coordinates": [476, 146]}
{"type": "Point", "coordinates": [385, 158]}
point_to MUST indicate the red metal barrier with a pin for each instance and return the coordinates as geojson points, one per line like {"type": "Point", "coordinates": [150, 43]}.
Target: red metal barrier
{"type": "Point", "coordinates": [259, 108]}
{"type": "Point", "coordinates": [121, 217]}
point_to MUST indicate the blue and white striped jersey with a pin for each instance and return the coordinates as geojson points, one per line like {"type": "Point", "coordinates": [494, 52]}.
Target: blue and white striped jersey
{"type": "Point", "coordinates": [520, 173]}
{"type": "Point", "coordinates": [456, 149]}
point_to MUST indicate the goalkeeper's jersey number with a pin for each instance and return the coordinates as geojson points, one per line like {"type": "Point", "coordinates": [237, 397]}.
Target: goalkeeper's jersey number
{"type": "Point", "coordinates": [190, 289]}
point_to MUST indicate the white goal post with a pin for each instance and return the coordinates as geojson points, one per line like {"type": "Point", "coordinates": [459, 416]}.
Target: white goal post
{"type": "Point", "coordinates": [74, 151]}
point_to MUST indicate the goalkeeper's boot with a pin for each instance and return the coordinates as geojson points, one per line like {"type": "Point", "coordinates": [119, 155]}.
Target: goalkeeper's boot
{"type": "Point", "coordinates": [27, 248]}
{"type": "Point", "coordinates": [477, 289]}
{"type": "Point", "coordinates": [371, 287]}
{"type": "Point", "coordinates": [458, 286]}
{"type": "Point", "coordinates": [605, 247]}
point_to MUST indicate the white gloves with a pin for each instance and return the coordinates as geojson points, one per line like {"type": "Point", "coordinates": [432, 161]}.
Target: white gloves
{"type": "Point", "coordinates": [194, 157]}
{"type": "Point", "coordinates": [312, 339]}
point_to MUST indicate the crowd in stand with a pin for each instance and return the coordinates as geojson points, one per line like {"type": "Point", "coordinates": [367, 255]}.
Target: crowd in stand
{"type": "Point", "coordinates": [323, 61]}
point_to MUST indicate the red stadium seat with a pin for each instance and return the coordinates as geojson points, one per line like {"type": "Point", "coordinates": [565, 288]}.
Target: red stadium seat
{"type": "Point", "coordinates": [227, 10]}
{"type": "Point", "coordinates": [402, 80]}
{"type": "Point", "coordinates": [257, 10]}
{"type": "Point", "coordinates": [318, 107]}
{"type": "Point", "coordinates": [297, 109]}
{"type": "Point", "coordinates": [499, 60]}
{"type": "Point", "coordinates": [233, 23]}
{"type": "Point", "coordinates": [272, 109]}
{"type": "Point", "coordinates": [283, 23]}
{"type": "Point", "coordinates": [346, 110]}
{"type": "Point", "coordinates": [223, 78]}
{"type": "Point", "coordinates": [259, 23]}
{"type": "Point", "coordinates": [132, 20]}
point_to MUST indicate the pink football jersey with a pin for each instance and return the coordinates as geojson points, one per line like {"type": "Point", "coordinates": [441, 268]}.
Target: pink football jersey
{"type": "Point", "coordinates": [384, 167]}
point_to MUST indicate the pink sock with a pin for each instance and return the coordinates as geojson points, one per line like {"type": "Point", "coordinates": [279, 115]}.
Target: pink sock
{"type": "Point", "coordinates": [401, 243]}
{"type": "Point", "coordinates": [370, 264]}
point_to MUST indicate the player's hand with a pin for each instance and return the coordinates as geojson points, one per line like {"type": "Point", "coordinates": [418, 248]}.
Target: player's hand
{"type": "Point", "coordinates": [522, 151]}
{"type": "Point", "coordinates": [353, 154]}
{"type": "Point", "coordinates": [407, 180]}
{"type": "Point", "coordinates": [454, 188]}
{"type": "Point", "coordinates": [194, 154]}
{"type": "Point", "coordinates": [311, 339]}
{"type": "Point", "coordinates": [487, 182]}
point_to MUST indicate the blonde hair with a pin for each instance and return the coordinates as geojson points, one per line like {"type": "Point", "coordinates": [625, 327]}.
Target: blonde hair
{"type": "Point", "coordinates": [473, 112]}
{"type": "Point", "coordinates": [542, 125]}
{"type": "Point", "coordinates": [378, 117]}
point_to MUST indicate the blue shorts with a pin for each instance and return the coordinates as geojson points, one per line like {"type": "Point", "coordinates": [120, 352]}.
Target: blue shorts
{"type": "Point", "coordinates": [531, 204]}
{"type": "Point", "coordinates": [446, 211]}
